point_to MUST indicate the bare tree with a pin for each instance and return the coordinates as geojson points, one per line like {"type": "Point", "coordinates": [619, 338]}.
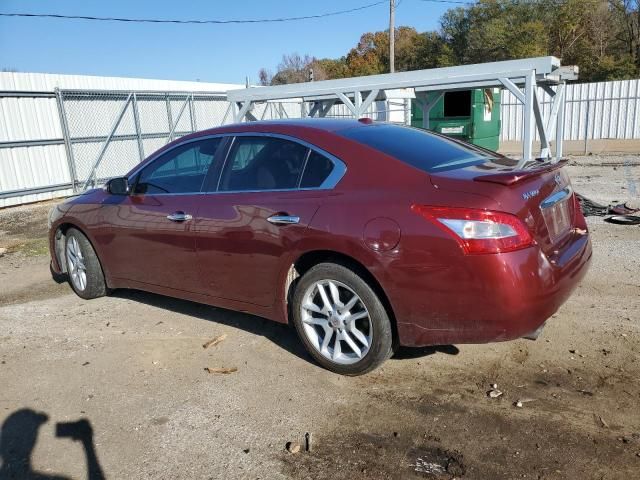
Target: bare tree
{"type": "Point", "coordinates": [264, 77]}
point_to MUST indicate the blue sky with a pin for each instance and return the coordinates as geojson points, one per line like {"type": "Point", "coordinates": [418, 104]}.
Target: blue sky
{"type": "Point", "coordinates": [217, 53]}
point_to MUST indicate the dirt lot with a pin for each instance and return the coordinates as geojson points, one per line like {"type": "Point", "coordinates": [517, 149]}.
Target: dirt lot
{"type": "Point", "coordinates": [132, 364]}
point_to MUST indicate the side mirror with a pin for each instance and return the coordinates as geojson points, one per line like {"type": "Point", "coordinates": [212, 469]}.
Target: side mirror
{"type": "Point", "coordinates": [118, 186]}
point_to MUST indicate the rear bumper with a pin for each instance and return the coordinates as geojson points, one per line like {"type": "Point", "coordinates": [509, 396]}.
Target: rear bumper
{"type": "Point", "coordinates": [486, 298]}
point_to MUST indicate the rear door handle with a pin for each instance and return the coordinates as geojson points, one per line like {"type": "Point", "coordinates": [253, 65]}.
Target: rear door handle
{"type": "Point", "coordinates": [283, 219]}
{"type": "Point", "coordinates": [179, 217]}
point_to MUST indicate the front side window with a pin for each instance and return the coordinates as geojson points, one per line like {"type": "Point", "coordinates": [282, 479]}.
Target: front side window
{"type": "Point", "coordinates": [263, 163]}
{"type": "Point", "coordinates": [181, 170]}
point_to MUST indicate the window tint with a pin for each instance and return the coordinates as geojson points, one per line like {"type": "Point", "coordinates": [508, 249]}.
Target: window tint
{"type": "Point", "coordinates": [417, 147]}
{"type": "Point", "coordinates": [181, 170]}
{"type": "Point", "coordinates": [316, 171]}
{"type": "Point", "coordinates": [263, 163]}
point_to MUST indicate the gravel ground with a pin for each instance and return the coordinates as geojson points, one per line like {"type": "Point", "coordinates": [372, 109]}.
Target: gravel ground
{"type": "Point", "coordinates": [132, 364]}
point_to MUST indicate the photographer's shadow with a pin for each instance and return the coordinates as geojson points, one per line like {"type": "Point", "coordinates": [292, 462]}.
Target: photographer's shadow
{"type": "Point", "coordinates": [18, 439]}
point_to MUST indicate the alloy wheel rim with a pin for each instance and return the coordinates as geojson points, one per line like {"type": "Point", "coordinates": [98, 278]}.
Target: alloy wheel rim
{"type": "Point", "coordinates": [75, 264]}
{"type": "Point", "coordinates": [336, 322]}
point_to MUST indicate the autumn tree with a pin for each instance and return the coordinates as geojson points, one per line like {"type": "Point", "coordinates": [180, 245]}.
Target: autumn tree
{"type": "Point", "coordinates": [602, 37]}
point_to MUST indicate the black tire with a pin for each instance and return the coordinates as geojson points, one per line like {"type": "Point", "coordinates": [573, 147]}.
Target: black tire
{"type": "Point", "coordinates": [381, 347]}
{"type": "Point", "coordinates": [95, 283]}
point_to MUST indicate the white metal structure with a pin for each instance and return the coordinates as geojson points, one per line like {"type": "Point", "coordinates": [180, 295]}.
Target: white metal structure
{"type": "Point", "coordinates": [520, 77]}
{"type": "Point", "coordinates": [594, 111]}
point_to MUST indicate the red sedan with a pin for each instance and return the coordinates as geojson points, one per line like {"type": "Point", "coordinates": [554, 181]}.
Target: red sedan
{"type": "Point", "coordinates": [364, 235]}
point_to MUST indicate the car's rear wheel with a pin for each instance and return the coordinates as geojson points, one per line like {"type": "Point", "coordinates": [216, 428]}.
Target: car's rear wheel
{"type": "Point", "coordinates": [83, 267]}
{"type": "Point", "coordinates": [341, 321]}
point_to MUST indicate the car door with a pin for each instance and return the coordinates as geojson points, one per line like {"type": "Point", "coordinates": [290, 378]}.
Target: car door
{"type": "Point", "coordinates": [267, 193]}
{"type": "Point", "coordinates": [151, 232]}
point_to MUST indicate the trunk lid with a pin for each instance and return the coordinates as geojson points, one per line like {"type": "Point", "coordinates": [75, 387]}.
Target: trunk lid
{"type": "Point", "coordinates": [540, 195]}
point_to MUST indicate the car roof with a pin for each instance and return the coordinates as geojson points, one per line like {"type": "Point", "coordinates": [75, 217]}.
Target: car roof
{"type": "Point", "coordinates": [323, 124]}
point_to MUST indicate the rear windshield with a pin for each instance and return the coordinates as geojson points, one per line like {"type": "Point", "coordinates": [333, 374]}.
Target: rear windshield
{"type": "Point", "coordinates": [417, 147]}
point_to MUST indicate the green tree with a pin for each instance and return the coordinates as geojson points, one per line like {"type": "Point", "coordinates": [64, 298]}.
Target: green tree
{"type": "Point", "coordinates": [602, 37]}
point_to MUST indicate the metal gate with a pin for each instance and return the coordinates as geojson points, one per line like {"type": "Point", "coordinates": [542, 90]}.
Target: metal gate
{"type": "Point", "coordinates": [106, 133]}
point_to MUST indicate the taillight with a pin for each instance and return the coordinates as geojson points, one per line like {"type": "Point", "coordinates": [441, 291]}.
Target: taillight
{"type": "Point", "coordinates": [479, 231]}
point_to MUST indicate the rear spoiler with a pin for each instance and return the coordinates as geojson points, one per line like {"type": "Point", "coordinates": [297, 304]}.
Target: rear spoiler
{"type": "Point", "coordinates": [515, 176]}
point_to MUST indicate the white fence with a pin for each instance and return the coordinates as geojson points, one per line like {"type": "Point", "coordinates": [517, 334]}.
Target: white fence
{"type": "Point", "coordinates": [602, 110]}
{"type": "Point", "coordinates": [35, 163]}
{"type": "Point", "coordinates": [42, 155]}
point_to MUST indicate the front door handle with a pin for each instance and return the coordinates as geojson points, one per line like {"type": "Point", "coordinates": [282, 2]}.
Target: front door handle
{"type": "Point", "coordinates": [179, 217]}
{"type": "Point", "coordinates": [283, 219]}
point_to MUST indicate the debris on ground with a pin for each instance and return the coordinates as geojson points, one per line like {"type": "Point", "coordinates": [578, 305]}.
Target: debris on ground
{"type": "Point", "coordinates": [494, 392]}
{"type": "Point", "coordinates": [214, 341]}
{"type": "Point", "coordinates": [624, 219]}
{"type": "Point", "coordinates": [585, 392]}
{"type": "Point", "coordinates": [435, 462]}
{"type": "Point", "coordinates": [221, 370]}
{"type": "Point", "coordinates": [520, 403]}
{"type": "Point", "coordinates": [622, 213]}
{"type": "Point", "coordinates": [307, 442]}
{"type": "Point", "coordinates": [292, 447]}
{"type": "Point", "coordinates": [2, 251]}
{"type": "Point", "coordinates": [602, 421]}
{"type": "Point", "coordinates": [429, 468]}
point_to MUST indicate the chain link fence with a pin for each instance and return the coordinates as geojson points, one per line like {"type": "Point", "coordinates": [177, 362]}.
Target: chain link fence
{"type": "Point", "coordinates": [108, 133]}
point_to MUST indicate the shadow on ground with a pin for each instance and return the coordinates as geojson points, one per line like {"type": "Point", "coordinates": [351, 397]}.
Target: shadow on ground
{"type": "Point", "coordinates": [19, 436]}
{"type": "Point", "coordinates": [282, 335]}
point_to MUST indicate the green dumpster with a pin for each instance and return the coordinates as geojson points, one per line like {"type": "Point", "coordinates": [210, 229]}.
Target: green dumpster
{"type": "Point", "coordinates": [471, 115]}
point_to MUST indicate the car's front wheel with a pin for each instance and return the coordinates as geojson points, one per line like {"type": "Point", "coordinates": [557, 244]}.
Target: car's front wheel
{"type": "Point", "coordinates": [341, 321]}
{"type": "Point", "coordinates": [83, 267]}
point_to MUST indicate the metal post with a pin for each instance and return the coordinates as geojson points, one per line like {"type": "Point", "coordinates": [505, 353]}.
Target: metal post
{"type": "Point", "coordinates": [348, 103]}
{"type": "Point", "coordinates": [317, 106]}
{"type": "Point", "coordinates": [562, 90]}
{"type": "Point", "coordinates": [528, 120]}
{"type": "Point", "coordinates": [326, 106]}
{"type": "Point", "coordinates": [114, 127]}
{"type": "Point", "coordinates": [192, 114]}
{"type": "Point", "coordinates": [169, 115]}
{"type": "Point", "coordinates": [175, 125]}
{"type": "Point", "coordinates": [545, 147]}
{"type": "Point", "coordinates": [226, 114]}
{"type": "Point", "coordinates": [136, 121]}
{"type": "Point", "coordinates": [426, 107]}
{"type": "Point", "coordinates": [407, 111]}
{"type": "Point", "coordinates": [586, 128]}
{"type": "Point", "coordinates": [243, 110]}
{"type": "Point", "coordinates": [357, 103]}
{"type": "Point", "coordinates": [392, 36]}
{"type": "Point", "coordinates": [67, 140]}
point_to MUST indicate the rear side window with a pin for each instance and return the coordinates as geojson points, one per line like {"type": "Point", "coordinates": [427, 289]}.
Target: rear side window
{"type": "Point", "coordinates": [263, 163]}
{"type": "Point", "coordinates": [419, 148]}
{"type": "Point", "coordinates": [317, 170]}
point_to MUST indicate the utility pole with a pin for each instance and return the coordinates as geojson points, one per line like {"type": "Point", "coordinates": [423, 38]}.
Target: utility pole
{"type": "Point", "coordinates": [392, 36]}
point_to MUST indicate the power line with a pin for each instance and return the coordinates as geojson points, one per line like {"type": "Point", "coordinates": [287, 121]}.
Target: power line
{"type": "Point", "coordinates": [218, 22]}
{"type": "Point", "coordinates": [448, 1]}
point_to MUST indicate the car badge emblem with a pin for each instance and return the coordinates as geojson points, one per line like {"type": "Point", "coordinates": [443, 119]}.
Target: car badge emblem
{"type": "Point", "coordinates": [558, 179]}
{"type": "Point", "coordinates": [530, 194]}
